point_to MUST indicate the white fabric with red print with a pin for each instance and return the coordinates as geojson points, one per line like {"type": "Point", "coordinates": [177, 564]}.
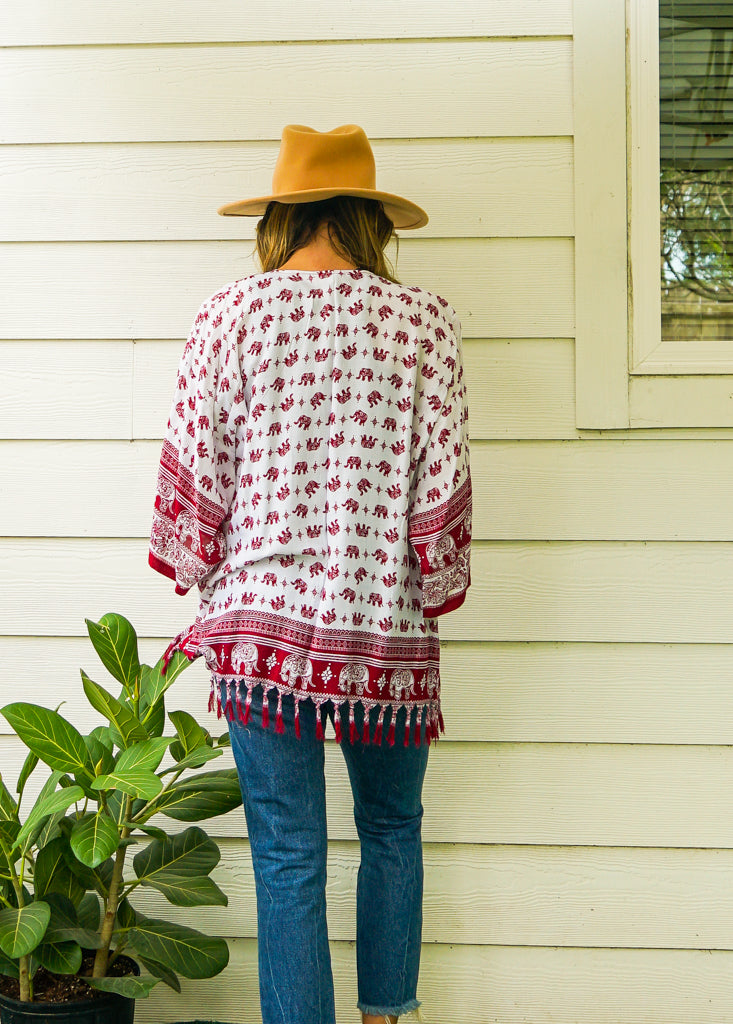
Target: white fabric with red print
{"type": "Point", "coordinates": [314, 483]}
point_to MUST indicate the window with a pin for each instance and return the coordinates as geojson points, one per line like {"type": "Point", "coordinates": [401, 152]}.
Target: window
{"type": "Point", "coordinates": [696, 170]}
{"type": "Point", "coordinates": [654, 207]}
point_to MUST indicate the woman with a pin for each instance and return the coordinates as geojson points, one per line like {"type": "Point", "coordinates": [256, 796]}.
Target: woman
{"type": "Point", "coordinates": [314, 483]}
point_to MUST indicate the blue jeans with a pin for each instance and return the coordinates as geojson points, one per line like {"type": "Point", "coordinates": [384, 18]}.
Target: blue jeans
{"type": "Point", "coordinates": [284, 795]}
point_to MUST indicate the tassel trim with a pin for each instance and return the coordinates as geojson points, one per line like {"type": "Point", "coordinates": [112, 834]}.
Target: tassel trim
{"type": "Point", "coordinates": [226, 697]}
{"type": "Point", "coordinates": [183, 642]}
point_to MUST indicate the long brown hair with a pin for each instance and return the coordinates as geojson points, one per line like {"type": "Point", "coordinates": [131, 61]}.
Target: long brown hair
{"type": "Point", "coordinates": [358, 230]}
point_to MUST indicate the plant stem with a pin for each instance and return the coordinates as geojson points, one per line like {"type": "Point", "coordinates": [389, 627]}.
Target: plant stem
{"type": "Point", "coordinates": [102, 955]}
{"type": "Point", "coordinates": [24, 976]}
{"type": "Point", "coordinates": [145, 812]}
{"type": "Point", "coordinates": [23, 961]}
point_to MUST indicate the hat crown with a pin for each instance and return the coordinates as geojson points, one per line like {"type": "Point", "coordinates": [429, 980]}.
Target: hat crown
{"type": "Point", "coordinates": [309, 159]}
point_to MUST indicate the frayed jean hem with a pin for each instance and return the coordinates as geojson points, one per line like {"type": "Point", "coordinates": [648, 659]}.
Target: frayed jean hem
{"type": "Point", "coordinates": [390, 1011]}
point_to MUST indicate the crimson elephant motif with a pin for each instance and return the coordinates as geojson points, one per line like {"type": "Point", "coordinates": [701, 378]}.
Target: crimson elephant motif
{"type": "Point", "coordinates": [187, 530]}
{"type": "Point", "coordinates": [297, 667]}
{"type": "Point", "coordinates": [400, 683]}
{"type": "Point", "coordinates": [442, 552]}
{"type": "Point", "coordinates": [244, 658]}
{"type": "Point", "coordinates": [354, 678]}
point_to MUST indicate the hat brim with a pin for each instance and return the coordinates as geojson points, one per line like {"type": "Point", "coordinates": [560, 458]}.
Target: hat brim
{"type": "Point", "coordinates": [403, 213]}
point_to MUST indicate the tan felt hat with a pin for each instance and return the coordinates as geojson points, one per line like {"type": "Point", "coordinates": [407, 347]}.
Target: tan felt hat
{"type": "Point", "coordinates": [313, 165]}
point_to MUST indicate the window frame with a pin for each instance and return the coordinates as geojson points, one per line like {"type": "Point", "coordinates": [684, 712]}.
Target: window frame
{"type": "Point", "coordinates": [626, 376]}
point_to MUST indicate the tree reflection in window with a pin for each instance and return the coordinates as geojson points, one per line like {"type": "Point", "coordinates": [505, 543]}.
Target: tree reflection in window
{"type": "Point", "coordinates": [696, 169]}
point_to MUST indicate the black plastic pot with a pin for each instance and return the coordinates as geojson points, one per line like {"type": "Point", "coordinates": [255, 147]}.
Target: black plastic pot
{"type": "Point", "coordinates": [109, 1008]}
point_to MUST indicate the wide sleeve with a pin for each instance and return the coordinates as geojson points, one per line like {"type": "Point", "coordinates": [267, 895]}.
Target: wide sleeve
{"type": "Point", "coordinates": [440, 510]}
{"type": "Point", "coordinates": [196, 475]}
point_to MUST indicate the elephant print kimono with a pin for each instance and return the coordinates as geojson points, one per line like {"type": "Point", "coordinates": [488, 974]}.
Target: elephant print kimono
{"type": "Point", "coordinates": [314, 483]}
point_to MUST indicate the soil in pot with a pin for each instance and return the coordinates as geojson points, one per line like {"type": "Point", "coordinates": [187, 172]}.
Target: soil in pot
{"type": "Point", "coordinates": [67, 988]}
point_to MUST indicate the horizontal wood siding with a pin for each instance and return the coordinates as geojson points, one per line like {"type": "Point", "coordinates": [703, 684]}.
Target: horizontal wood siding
{"type": "Point", "coordinates": [437, 87]}
{"type": "Point", "coordinates": [577, 848]}
{"type": "Point", "coordinates": [507, 984]}
{"type": "Point", "coordinates": [200, 21]}
{"type": "Point", "coordinates": [501, 287]}
{"type": "Point", "coordinates": [473, 188]}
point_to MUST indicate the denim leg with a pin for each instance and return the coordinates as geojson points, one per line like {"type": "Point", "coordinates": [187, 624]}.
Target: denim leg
{"type": "Point", "coordinates": [387, 786]}
{"type": "Point", "coordinates": [284, 796]}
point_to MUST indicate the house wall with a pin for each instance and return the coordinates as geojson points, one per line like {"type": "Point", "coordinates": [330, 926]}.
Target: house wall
{"type": "Point", "coordinates": [578, 848]}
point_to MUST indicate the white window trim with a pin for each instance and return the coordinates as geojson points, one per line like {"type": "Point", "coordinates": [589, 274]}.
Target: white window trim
{"type": "Point", "coordinates": [625, 375]}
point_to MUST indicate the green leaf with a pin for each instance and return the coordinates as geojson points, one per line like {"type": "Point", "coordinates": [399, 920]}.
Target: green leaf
{"type": "Point", "coordinates": [162, 972]}
{"type": "Point", "coordinates": [63, 911]}
{"type": "Point", "coordinates": [205, 796]}
{"type": "Point", "coordinates": [193, 760]}
{"type": "Point", "coordinates": [60, 957]}
{"type": "Point", "coordinates": [181, 949]}
{"type": "Point", "coordinates": [43, 808]}
{"type": "Point", "coordinates": [190, 853]}
{"type": "Point", "coordinates": [102, 734]}
{"type": "Point", "coordinates": [134, 782]}
{"type": "Point", "coordinates": [184, 891]}
{"type": "Point", "coordinates": [149, 830]}
{"type": "Point", "coordinates": [8, 832]}
{"type": "Point", "coordinates": [28, 767]}
{"type": "Point", "coordinates": [50, 829]}
{"type": "Point", "coordinates": [126, 916]}
{"type": "Point", "coordinates": [189, 731]}
{"type": "Point", "coordinates": [130, 730]}
{"type": "Point", "coordinates": [115, 641]}
{"type": "Point", "coordinates": [8, 806]}
{"type": "Point", "coordinates": [64, 925]}
{"type": "Point", "coordinates": [155, 720]}
{"type": "Point", "coordinates": [88, 911]}
{"type": "Point", "coordinates": [117, 806]}
{"type": "Point", "coordinates": [153, 684]}
{"type": "Point", "coordinates": [51, 738]}
{"type": "Point", "coordinates": [129, 986]}
{"type": "Point", "coordinates": [143, 755]}
{"type": "Point", "coordinates": [22, 930]}
{"type": "Point", "coordinates": [178, 663]}
{"type": "Point", "coordinates": [178, 752]}
{"type": "Point", "coordinates": [101, 755]}
{"type": "Point", "coordinates": [53, 875]}
{"type": "Point", "coordinates": [9, 967]}
{"type": "Point", "coordinates": [94, 838]}
{"type": "Point", "coordinates": [98, 879]}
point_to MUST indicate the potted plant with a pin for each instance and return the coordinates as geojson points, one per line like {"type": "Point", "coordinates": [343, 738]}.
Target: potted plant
{"type": "Point", "coordinates": [68, 924]}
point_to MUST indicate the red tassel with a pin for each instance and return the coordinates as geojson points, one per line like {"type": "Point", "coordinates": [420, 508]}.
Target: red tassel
{"type": "Point", "coordinates": [297, 718]}
{"type": "Point", "coordinates": [378, 729]}
{"type": "Point", "coordinates": [279, 724]}
{"type": "Point", "coordinates": [228, 709]}
{"type": "Point", "coordinates": [247, 708]}
{"type": "Point", "coordinates": [441, 723]}
{"type": "Point", "coordinates": [265, 710]}
{"type": "Point", "coordinates": [211, 698]}
{"type": "Point", "coordinates": [218, 704]}
{"type": "Point", "coordinates": [319, 724]}
{"type": "Point", "coordinates": [408, 716]}
{"type": "Point", "coordinates": [337, 723]}
{"type": "Point", "coordinates": [365, 734]}
{"type": "Point", "coordinates": [390, 734]}
{"type": "Point", "coordinates": [352, 725]}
